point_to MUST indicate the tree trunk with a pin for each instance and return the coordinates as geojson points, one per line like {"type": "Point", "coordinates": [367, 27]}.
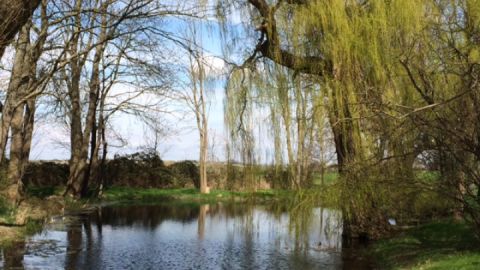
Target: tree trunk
{"type": "Point", "coordinates": [203, 162]}
{"type": "Point", "coordinates": [343, 131]}
{"type": "Point", "coordinates": [28, 126]}
{"type": "Point", "coordinates": [18, 87]}
{"type": "Point", "coordinates": [16, 151]}
{"type": "Point", "coordinates": [77, 185]}
{"type": "Point", "coordinates": [13, 15]}
{"type": "Point", "coordinates": [103, 163]}
{"type": "Point", "coordinates": [78, 154]}
{"type": "Point", "coordinates": [18, 81]}
{"type": "Point", "coordinates": [5, 122]}
{"type": "Point", "coordinates": [19, 114]}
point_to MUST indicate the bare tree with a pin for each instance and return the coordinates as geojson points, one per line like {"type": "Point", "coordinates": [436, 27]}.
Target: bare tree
{"type": "Point", "coordinates": [19, 112]}
{"type": "Point", "coordinates": [110, 42]}
{"type": "Point", "coordinates": [196, 97]}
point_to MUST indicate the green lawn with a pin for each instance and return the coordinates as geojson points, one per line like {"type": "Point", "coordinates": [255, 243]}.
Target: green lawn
{"type": "Point", "coordinates": [445, 245]}
{"type": "Point", "coordinates": [153, 194]}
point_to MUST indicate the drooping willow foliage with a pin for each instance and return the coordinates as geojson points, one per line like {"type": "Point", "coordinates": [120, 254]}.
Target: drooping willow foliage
{"type": "Point", "coordinates": [394, 79]}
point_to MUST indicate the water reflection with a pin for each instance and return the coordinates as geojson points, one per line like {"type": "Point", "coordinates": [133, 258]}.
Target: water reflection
{"type": "Point", "coordinates": [217, 236]}
{"type": "Point", "coordinates": [12, 255]}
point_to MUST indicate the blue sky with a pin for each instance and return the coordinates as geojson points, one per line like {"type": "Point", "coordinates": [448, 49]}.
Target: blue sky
{"type": "Point", "coordinates": [51, 140]}
{"type": "Point", "coordinates": [180, 142]}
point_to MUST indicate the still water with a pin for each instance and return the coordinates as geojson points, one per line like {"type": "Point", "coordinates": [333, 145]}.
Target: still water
{"type": "Point", "coordinates": [180, 236]}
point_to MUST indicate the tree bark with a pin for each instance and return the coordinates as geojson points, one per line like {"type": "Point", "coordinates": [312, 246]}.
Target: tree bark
{"type": "Point", "coordinates": [19, 114]}
{"type": "Point", "coordinates": [13, 116]}
{"type": "Point", "coordinates": [13, 15]}
{"type": "Point", "coordinates": [28, 126]}
{"type": "Point", "coordinates": [79, 176]}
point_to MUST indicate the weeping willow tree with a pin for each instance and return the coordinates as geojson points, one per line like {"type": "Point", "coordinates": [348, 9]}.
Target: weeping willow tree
{"type": "Point", "coordinates": [295, 113]}
{"type": "Point", "coordinates": [352, 50]}
{"type": "Point", "coordinates": [241, 143]}
{"type": "Point", "coordinates": [287, 104]}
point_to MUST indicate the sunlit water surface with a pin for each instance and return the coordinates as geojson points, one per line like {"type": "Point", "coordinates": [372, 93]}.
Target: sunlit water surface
{"type": "Point", "coordinates": [179, 236]}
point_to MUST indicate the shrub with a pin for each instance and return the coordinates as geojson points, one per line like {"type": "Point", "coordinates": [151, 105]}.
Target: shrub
{"type": "Point", "coordinates": [185, 173]}
{"type": "Point", "coordinates": [42, 174]}
{"type": "Point", "coordinates": [139, 170]}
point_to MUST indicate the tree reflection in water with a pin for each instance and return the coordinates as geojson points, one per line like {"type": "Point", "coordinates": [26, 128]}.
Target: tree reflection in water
{"type": "Point", "coordinates": [236, 236]}
{"type": "Point", "coordinates": [12, 255]}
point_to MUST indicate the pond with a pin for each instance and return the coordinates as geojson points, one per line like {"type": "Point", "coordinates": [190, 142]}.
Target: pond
{"type": "Point", "coordinates": [188, 236]}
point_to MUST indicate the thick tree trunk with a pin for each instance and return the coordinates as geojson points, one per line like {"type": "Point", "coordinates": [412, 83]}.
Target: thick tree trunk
{"type": "Point", "coordinates": [13, 117]}
{"type": "Point", "coordinates": [13, 15]}
{"type": "Point", "coordinates": [28, 126]}
{"type": "Point", "coordinates": [343, 131]}
{"type": "Point", "coordinates": [19, 114]}
{"type": "Point", "coordinates": [16, 151]}
{"type": "Point", "coordinates": [18, 81]}
{"type": "Point", "coordinates": [79, 151]}
{"type": "Point", "coordinates": [5, 123]}
{"type": "Point", "coordinates": [80, 170]}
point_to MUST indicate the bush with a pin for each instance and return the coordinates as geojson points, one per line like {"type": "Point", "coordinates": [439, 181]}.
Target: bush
{"type": "Point", "coordinates": [43, 174]}
{"type": "Point", "coordinates": [186, 173]}
{"type": "Point", "coordinates": [139, 170]}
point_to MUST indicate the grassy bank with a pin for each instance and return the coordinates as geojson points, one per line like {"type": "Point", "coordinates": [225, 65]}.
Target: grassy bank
{"type": "Point", "coordinates": [122, 194]}
{"type": "Point", "coordinates": [444, 245]}
{"type": "Point", "coordinates": [153, 195]}
{"type": "Point", "coordinates": [27, 218]}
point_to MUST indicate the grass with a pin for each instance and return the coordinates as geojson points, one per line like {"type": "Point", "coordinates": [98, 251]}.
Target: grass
{"type": "Point", "coordinates": [328, 178]}
{"type": "Point", "coordinates": [443, 245]}
{"type": "Point", "coordinates": [187, 194]}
